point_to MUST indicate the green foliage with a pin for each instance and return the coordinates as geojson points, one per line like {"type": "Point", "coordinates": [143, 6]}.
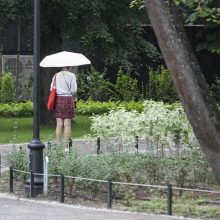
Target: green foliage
{"type": "Point", "coordinates": [93, 85]}
{"type": "Point", "coordinates": [202, 12]}
{"type": "Point", "coordinates": [155, 205]}
{"type": "Point", "coordinates": [100, 34]}
{"type": "Point", "coordinates": [215, 90]}
{"type": "Point", "coordinates": [95, 107]}
{"type": "Point", "coordinates": [160, 86]}
{"type": "Point", "coordinates": [126, 88]}
{"type": "Point", "coordinates": [206, 12]}
{"type": "Point", "coordinates": [188, 206]}
{"type": "Point", "coordinates": [28, 87]}
{"type": "Point", "coordinates": [127, 167]}
{"type": "Point", "coordinates": [18, 160]}
{"type": "Point", "coordinates": [193, 10]}
{"type": "Point", "coordinates": [14, 10]}
{"type": "Point", "coordinates": [7, 88]}
{"type": "Point", "coordinates": [139, 4]}
{"type": "Point", "coordinates": [22, 109]}
{"type": "Point", "coordinates": [17, 12]}
{"type": "Point", "coordinates": [25, 109]}
{"type": "Point", "coordinates": [55, 154]}
{"type": "Point", "coordinates": [193, 206]}
{"type": "Point", "coordinates": [129, 197]}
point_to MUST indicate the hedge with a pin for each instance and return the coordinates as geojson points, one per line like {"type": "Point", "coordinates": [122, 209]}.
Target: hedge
{"type": "Point", "coordinates": [25, 109]}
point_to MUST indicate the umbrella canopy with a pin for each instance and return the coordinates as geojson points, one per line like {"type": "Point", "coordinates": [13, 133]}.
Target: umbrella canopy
{"type": "Point", "coordinates": [63, 59]}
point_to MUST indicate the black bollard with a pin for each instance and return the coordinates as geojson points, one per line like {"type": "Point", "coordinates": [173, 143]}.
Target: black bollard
{"type": "Point", "coordinates": [109, 195]}
{"type": "Point", "coordinates": [70, 144]}
{"type": "Point", "coordinates": [98, 145]}
{"type": "Point", "coordinates": [169, 199]}
{"type": "Point", "coordinates": [62, 188]}
{"type": "Point", "coordinates": [11, 180]}
{"type": "Point", "coordinates": [136, 142]}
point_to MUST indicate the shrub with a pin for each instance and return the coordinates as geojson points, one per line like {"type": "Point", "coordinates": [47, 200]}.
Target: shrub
{"type": "Point", "coordinates": [93, 85]}
{"type": "Point", "coordinates": [25, 109]}
{"type": "Point", "coordinates": [118, 127]}
{"type": "Point", "coordinates": [22, 109]}
{"type": "Point", "coordinates": [7, 88]}
{"type": "Point", "coordinates": [18, 160]}
{"type": "Point", "coordinates": [126, 88]}
{"type": "Point", "coordinates": [160, 86]}
{"type": "Point", "coordinates": [165, 125]}
{"type": "Point", "coordinates": [95, 107]}
{"type": "Point", "coordinates": [146, 168]}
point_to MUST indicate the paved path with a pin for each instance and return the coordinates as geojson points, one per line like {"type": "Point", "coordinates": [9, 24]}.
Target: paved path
{"type": "Point", "coordinates": [14, 208]}
{"type": "Point", "coordinates": [89, 146]}
{"type": "Point", "coordinates": [84, 146]}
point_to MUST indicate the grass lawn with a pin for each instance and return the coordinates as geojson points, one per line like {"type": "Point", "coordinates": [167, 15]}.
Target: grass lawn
{"type": "Point", "coordinates": [20, 130]}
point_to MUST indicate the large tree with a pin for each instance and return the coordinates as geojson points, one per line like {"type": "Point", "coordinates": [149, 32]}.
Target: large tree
{"type": "Point", "coordinates": [190, 83]}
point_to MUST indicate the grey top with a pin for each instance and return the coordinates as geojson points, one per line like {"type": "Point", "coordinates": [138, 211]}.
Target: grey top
{"type": "Point", "coordinates": [66, 84]}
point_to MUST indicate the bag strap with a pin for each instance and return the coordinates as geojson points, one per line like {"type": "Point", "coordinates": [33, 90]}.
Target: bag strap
{"type": "Point", "coordinates": [67, 84]}
{"type": "Point", "coordinates": [54, 81]}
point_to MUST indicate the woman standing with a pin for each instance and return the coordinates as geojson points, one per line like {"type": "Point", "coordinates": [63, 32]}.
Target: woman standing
{"type": "Point", "coordinates": [66, 87]}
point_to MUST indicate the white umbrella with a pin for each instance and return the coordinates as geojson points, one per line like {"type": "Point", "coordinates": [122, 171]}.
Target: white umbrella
{"type": "Point", "coordinates": [63, 59]}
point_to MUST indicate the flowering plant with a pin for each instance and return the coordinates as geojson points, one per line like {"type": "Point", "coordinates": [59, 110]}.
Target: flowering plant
{"type": "Point", "coordinates": [165, 126]}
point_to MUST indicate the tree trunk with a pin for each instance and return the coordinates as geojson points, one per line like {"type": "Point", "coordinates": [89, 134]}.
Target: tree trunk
{"type": "Point", "coordinates": [190, 83]}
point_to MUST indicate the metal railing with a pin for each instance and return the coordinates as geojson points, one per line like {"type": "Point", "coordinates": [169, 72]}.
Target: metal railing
{"type": "Point", "coordinates": [109, 183]}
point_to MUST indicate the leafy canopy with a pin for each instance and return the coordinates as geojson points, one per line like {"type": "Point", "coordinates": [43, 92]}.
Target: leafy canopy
{"type": "Point", "coordinates": [202, 12]}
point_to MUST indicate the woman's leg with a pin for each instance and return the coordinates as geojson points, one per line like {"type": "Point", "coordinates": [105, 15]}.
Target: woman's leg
{"type": "Point", "coordinates": [59, 127]}
{"type": "Point", "coordinates": [67, 130]}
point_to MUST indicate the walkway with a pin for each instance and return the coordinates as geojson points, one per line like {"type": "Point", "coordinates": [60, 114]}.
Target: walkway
{"type": "Point", "coordinates": [14, 208]}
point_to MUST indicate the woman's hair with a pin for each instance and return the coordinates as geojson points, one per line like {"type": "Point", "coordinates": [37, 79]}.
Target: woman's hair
{"type": "Point", "coordinates": [66, 67]}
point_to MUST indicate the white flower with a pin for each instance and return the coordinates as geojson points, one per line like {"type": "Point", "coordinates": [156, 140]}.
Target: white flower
{"type": "Point", "coordinates": [165, 125]}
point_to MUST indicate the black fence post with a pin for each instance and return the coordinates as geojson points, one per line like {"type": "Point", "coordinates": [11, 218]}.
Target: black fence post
{"type": "Point", "coordinates": [136, 142]}
{"type": "Point", "coordinates": [70, 144]}
{"type": "Point", "coordinates": [109, 195]}
{"type": "Point", "coordinates": [98, 145]}
{"type": "Point", "coordinates": [169, 199]}
{"type": "Point", "coordinates": [61, 188]}
{"type": "Point", "coordinates": [32, 185]}
{"type": "Point", "coordinates": [49, 144]}
{"type": "Point", "coordinates": [11, 180]}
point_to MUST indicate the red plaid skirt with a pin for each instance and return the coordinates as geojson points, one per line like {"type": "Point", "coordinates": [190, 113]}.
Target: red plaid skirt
{"type": "Point", "coordinates": [64, 107]}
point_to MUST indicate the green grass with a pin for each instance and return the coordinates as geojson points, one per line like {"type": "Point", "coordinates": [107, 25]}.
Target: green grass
{"type": "Point", "coordinates": [189, 206]}
{"type": "Point", "coordinates": [20, 130]}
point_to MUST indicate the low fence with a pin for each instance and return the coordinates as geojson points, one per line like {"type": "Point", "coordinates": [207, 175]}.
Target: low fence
{"type": "Point", "coordinates": [109, 183]}
{"type": "Point", "coordinates": [169, 188]}
{"type": "Point", "coordinates": [138, 144]}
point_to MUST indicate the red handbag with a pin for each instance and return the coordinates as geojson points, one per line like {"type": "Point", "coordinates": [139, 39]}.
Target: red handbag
{"type": "Point", "coordinates": [52, 97]}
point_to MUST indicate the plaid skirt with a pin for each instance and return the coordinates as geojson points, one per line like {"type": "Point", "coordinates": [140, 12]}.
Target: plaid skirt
{"type": "Point", "coordinates": [64, 107]}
